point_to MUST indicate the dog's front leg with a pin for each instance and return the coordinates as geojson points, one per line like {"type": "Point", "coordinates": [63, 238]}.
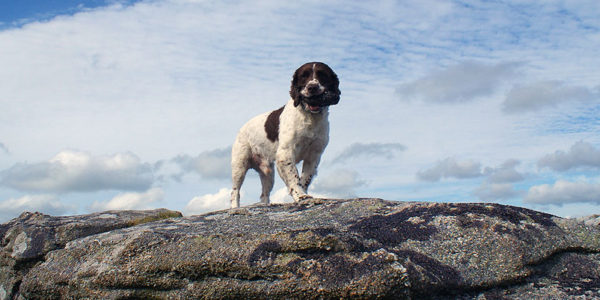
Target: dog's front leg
{"type": "Point", "coordinates": [286, 166]}
{"type": "Point", "coordinates": [309, 168]}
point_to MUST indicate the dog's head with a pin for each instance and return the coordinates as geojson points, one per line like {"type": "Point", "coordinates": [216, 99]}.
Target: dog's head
{"type": "Point", "coordinates": [315, 86]}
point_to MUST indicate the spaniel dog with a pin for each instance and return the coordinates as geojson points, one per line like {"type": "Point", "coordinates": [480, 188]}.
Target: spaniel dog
{"type": "Point", "coordinates": [298, 131]}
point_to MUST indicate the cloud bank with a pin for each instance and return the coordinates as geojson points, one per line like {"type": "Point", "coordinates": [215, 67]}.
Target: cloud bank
{"type": "Point", "coordinates": [214, 164]}
{"type": "Point", "coordinates": [581, 154]}
{"type": "Point", "coordinates": [564, 192]}
{"type": "Point", "coordinates": [146, 200]}
{"type": "Point", "coordinates": [3, 148]}
{"type": "Point", "coordinates": [505, 173]}
{"type": "Point", "coordinates": [370, 150]}
{"type": "Point", "coordinates": [208, 202]}
{"type": "Point", "coordinates": [466, 81]}
{"type": "Point", "coordinates": [498, 184]}
{"type": "Point", "coordinates": [340, 183]}
{"type": "Point", "coordinates": [538, 95]}
{"type": "Point", "coordinates": [492, 192]}
{"type": "Point", "coordinates": [47, 204]}
{"type": "Point", "coordinates": [451, 168]}
{"type": "Point", "coordinates": [73, 171]}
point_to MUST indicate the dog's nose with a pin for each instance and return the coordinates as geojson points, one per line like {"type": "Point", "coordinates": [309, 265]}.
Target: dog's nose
{"type": "Point", "coordinates": [312, 87]}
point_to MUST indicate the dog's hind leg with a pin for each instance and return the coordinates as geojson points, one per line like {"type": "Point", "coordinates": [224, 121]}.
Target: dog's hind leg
{"type": "Point", "coordinates": [238, 179]}
{"type": "Point", "coordinates": [240, 163]}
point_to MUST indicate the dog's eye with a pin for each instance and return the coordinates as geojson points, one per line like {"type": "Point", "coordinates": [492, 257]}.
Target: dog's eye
{"type": "Point", "coordinates": [322, 75]}
{"type": "Point", "coordinates": [305, 74]}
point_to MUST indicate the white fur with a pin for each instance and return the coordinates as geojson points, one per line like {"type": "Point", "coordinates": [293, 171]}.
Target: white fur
{"type": "Point", "coordinates": [303, 136]}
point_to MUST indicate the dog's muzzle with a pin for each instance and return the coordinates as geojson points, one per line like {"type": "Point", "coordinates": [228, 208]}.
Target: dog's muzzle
{"type": "Point", "coordinates": [316, 103]}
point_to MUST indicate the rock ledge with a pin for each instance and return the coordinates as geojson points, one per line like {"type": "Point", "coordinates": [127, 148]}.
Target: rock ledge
{"type": "Point", "coordinates": [354, 248]}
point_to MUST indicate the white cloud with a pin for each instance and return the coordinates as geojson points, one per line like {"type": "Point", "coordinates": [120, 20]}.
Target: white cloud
{"type": "Point", "coordinates": [462, 82]}
{"type": "Point", "coordinates": [73, 171]}
{"type": "Point", "coordinates": [209, 202]}
{"type": "Point", "coordinates": [495, 191]}
{"type": "Point", "coordinates": [339, 184]}
{"type": "Point", "coordinates": [127, 201]}
{"type": "Point", "coordinates": [209, 164]}
{"type": "Point", "coordinates": [538, 95]}
{"type": "Point", "coordinates": [498, 182]}
{"type": "Point", "coordinates": [564, 192]}
{"type": "Point", "coordinates": [47, 204]}
{"type": "Point", "coordinates": [281, 196]}
{"type": "Point", "coordinates": [384, 150]}
{"type": "Point", "coordinates": [3, 148]}
{"type": "Point", "coordinates": [451, 168]}
{"type": "Point", "coordinates": [505, 173]}
{"type": "Point", "coordinates": [581, 154]}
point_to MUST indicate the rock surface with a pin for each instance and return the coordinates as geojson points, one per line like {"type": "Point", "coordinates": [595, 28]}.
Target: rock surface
{"type": "Point", "coordinates": [357, 248]}
{"type": "Point", "coordinates": [25, 241]}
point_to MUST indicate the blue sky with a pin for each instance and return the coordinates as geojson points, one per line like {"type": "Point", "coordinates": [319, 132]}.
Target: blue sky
{"type": "Point", "coordinates": [17, 13]}
{"type": "Point", "coordinates": [135, 104]}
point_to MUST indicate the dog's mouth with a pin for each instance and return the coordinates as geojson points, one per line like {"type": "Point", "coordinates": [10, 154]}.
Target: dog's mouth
{"type": "Point", "coordinates": [315, 103]}
{"type": "Point", "coordinates": [315, 109]}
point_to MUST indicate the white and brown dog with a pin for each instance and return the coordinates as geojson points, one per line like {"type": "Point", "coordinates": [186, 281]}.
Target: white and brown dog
{"type": "Point", "coordinates": [299, 131]}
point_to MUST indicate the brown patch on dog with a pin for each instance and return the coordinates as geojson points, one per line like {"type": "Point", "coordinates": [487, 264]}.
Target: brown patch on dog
{"type": "Point", "coordinates": [272, 125]}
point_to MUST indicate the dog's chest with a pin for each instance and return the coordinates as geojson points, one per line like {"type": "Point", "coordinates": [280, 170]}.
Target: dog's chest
{"type": "Point", "coordinates": [302, 127]}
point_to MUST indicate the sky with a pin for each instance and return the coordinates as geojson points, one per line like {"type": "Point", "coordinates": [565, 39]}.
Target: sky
{"type": "Point", "coordinates": [135, 104]}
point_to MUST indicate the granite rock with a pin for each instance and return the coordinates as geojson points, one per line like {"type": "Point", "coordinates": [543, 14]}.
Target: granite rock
{"type": "Point", "coordinates": [24, 241]}
{"type": "Point", "coordinates": [326, 249]}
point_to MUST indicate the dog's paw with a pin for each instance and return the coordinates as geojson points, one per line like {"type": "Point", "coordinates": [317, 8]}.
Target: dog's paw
{"type": "Point", "coordinates": [310, 201]}
{"type": "Point", "coordinates": [304, 197]}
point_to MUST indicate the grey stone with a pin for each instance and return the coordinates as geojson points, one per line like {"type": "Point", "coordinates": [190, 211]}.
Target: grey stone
{"type": "Point", "coordinates": [593, 220]}
{"type": "Point", "coordinates": [26, 240]}
{"type": "Point", "coordinates": [325, 249]}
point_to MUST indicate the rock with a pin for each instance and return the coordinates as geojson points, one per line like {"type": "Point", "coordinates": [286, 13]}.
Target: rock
{"type": "Point", "coordinates": [356, 248]}
{"type": "Point", "coordinates": [25, 241]}
{"type": "Point", "coordinates": [593, 220]}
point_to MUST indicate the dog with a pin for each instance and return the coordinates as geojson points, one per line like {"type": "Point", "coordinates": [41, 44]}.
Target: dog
{"type": "Point", "coordinates": [298, 131]}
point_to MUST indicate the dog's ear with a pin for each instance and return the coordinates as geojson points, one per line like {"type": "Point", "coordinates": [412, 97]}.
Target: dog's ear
{"type": "Point", "coordinates": [335, 89]}
{"type": "Point", "coordinates": [294, 90]}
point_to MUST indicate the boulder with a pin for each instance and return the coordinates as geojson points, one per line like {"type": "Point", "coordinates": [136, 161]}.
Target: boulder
{"type": "Point", "coordinates": [322, 249]}
{"type": "Point", "coordinates": [25, 241]}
